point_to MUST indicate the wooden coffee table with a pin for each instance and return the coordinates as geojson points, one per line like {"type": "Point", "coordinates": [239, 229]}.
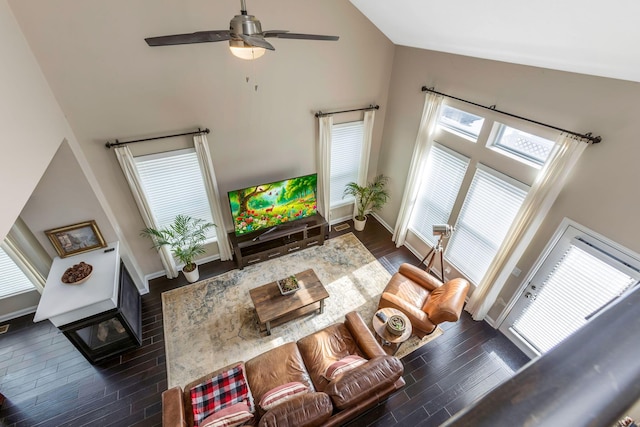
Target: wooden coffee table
{"type": "Point", "coordinates": [274, 309]}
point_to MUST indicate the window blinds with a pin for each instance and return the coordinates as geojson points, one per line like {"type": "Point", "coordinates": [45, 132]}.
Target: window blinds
{"type": "Point", "coordinates": [491, 204]}
{"type": "Point", "coordinates": [12, 279]}
{"type": "Point", "coordinates": [438, 191]}
{"type": "Point", "coordinates": [173, 185]}
{"type": "Point", "coordinates": [346, 150]}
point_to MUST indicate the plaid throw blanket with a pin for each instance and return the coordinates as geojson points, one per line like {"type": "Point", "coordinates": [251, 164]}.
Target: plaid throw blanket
{"type": "Point", "coordinates": [223, 390]}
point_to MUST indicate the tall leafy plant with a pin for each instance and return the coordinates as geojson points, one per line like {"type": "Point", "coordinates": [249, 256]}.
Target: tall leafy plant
{"type": "Point", "coordinates": [369, 198]}
{"type": "Point", "coordinates": [185, 236]}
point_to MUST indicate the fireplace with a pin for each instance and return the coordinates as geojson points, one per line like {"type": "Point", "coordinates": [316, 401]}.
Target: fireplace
{"type": "Point", "coordinates": [112, 332]}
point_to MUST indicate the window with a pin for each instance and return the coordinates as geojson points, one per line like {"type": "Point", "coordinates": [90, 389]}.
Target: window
{"type": "Point", "coordinates": [490, 206]}
{"type": "Point", "coordinates": [479, 188]}
{"type": "Point", "coordinates": [460, 122]}
{"type": "Point", "coordinates": [12, 279]}
{"type": "Point", "coordinates": [173, 185]}
{"type": "Point", "coordinates": [346, 153]}
{"type": "Point", "coordinates": [445, 171]}
{"type": "Point", "coordinates": [523, 145]}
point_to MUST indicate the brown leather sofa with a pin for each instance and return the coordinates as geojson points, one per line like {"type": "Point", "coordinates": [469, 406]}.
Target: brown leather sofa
{"type": "Point", "coordinates": [330, 403]}
{"type": "Point", "coordinates": [424, 299]}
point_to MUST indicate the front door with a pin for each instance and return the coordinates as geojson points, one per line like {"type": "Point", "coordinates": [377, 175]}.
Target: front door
{"type": "Point", "coordinates": [582, 275]}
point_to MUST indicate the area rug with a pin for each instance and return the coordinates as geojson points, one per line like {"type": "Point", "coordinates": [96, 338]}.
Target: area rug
{"type": "Point", "coordinates": [212, 323]}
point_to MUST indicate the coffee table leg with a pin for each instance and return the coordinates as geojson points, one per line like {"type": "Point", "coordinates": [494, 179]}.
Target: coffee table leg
{"type": "Point", "coordinates": [268, 324]}
{"type": "Point", "coordinates": [321, 306]}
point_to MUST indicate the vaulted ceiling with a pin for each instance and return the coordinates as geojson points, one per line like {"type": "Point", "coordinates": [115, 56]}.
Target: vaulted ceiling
{"type": "Point", "coordinates": [589, 37]}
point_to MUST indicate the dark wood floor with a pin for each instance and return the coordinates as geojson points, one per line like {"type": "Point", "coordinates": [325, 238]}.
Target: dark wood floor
{"type": "Point", "coordinates": [48, 383]}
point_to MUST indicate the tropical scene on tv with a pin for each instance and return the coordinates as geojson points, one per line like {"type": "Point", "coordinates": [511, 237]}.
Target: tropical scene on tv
{"type": "Point", "coordinates": [269, 205]}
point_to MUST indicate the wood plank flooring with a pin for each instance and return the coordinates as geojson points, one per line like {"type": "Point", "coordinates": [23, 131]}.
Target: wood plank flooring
{"type": "Point", "coordinates": [46, 382]}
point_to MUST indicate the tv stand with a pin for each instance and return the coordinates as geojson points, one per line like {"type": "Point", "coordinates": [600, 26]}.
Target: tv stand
{"type": "Point", "coordinates": [279, 240]}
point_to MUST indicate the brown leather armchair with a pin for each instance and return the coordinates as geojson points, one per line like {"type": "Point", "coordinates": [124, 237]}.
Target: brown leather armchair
{"type": "Point", "coordinates": [423, 298]}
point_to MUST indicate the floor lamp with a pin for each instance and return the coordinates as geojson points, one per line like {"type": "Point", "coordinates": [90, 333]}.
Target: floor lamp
{"type": "Point", "coordinates": [444, 231]}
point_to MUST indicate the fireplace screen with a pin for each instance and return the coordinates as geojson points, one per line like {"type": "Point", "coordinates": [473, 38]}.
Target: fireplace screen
{"type": "Point", "coordinates": [112, 332]}
{"type": "Point", "coordinates": [104, 333]}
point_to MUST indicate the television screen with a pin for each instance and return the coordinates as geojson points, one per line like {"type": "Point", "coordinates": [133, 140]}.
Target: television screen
{"type": "Point", "coordinates": [269, 205]}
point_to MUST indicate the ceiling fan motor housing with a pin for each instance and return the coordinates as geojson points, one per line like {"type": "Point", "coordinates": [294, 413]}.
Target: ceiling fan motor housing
{"type": "Point", "coordinates": [246, 25]}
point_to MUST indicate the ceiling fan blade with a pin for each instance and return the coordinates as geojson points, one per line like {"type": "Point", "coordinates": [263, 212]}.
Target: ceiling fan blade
{"type": "Point", "coordinates": [256, 41]}
{"type": "Point", "coordinates": [274, 33]}
{"type": "Point", "coordinates": [288, 35]}
{"type": "Point", "coordinates": [197, 37]}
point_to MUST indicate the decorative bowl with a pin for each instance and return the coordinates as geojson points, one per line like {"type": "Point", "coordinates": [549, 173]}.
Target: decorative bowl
{"type": "Point", "coordinates": [396, 325]}
{"type": "Point", "coordinates": [288, 285]}
{"type": "Point", "coordinates": [77, 274]}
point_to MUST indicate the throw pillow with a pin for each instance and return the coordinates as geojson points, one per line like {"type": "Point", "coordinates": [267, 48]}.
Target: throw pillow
{"type": "Point", "coordinates": [231, 416]}
{"type": "Point", "coordinates": [345, 364]}
{"type": "Point", "coordinates": [281, 394]}
{"type": "Point", "coordinates": [225, 389]}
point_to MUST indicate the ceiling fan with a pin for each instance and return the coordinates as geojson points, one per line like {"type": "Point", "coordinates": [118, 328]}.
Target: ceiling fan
{"type": "Point", "coordinates": [245, 36]}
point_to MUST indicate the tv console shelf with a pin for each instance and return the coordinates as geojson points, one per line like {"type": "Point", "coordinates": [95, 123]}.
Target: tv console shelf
{"type": "Point", "coordinates": [285, 239]}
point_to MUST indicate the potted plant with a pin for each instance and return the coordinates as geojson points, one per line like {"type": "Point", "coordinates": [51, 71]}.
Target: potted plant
{"type": "Point", "coordinates": [369, 198]}
{"type": "Point", "coordinates": [186, 237]}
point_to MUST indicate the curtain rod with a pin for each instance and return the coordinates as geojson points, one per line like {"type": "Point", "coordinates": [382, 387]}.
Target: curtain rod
{"type": "Point", "coordinates": [115, 144]}
{"type": "Point", "coordinates": [370, 107]}
{"type": "Point", "coordinates": [588, 136]}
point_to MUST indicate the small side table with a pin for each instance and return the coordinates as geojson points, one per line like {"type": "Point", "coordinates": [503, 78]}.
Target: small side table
{"type": "Point", "coordinates": [387, 338]}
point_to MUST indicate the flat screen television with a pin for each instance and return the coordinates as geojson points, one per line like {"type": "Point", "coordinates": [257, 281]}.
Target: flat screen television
{"type": "Point", "coordinates": [280, 203]}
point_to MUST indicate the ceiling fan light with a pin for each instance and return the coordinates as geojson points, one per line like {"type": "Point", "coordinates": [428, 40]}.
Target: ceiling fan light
{"type": "Point", "coordinates": [248, 52]}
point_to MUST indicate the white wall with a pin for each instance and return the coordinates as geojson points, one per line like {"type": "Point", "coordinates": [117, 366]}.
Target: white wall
{"type": "Point", "coordinates": [110, 84]}
{"type": "Point", "coordinates": [63, 197]}
{"type": "Point", "coordinates": [31, 121]}
{"type": "Point", "coordinates": [33, 127]}
{"type": "Point", "coordinates": [601, 192]}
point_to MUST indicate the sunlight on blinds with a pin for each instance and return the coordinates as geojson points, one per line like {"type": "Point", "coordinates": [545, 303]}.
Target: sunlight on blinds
{"type": "Point", "coordinates": [173, 184]}
{"type": "Point", "coordinates": [438, 191]}
{"type": "Point", "coordinates": [12, 279]}
{"type": "Point", "coordinates": [577, 288]}
{"type": "Point", "coordinates": [491, 205]}
{"type": "Point", "coordinates": [346, 150]}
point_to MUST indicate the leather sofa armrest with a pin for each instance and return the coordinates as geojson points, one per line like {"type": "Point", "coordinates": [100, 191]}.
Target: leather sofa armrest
{"type": "Point", "coordinates": [359, 383]}
{"type": "Point", "coordinates": [407, 307]}
{"type": "Point", "coordinates": [306, 410]}
{"type": "Point", "coordinates": [173, 408]}
{"type": "Point", "coordinates": [445, 303]}
{"type": "Point", "coordinates": [362, 335]}
{"type": "Point", "coordinates": [419, 276]}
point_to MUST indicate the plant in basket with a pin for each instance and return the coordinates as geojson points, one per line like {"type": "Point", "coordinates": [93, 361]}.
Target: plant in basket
{"type": "Point", "coordinates": [396, 325]}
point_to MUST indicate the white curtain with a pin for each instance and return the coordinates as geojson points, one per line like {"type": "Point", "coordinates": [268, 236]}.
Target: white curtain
{"type": "Point", "coordinates": [127, 163]}
{"type": "Point", "coordinates": [367, 135]}
{"type": "Point", "coordinates": [211, 185]}
{"type": "Point", "coordinates": [324, 166]}
{"type": "Point", "coordinates": [424, 142]}
{"type": "Point", "coordinates": [535, 207]}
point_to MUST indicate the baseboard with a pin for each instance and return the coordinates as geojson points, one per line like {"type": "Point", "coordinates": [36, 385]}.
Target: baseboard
{"type": "Point", "coordinates": [490, 321]}
{"type": "Point", "coordinates": [338, 220]}
{"type": "Point", "coordinates": [162, 273]}
{"type": "Point", "coordinates": [19, 313]}
{"type": "Point", "coordinates": [381, 221]}
{"type": "Point", "coordinates": [150, 277]}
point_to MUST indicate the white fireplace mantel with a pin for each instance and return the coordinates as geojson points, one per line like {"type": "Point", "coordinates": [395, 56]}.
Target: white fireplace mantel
{"type": "Point", "coordinates": [62, 303]}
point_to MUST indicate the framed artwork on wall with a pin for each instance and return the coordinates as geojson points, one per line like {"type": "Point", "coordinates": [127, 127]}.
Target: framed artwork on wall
{"type": "Point", "coordinates": [76, 239]}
